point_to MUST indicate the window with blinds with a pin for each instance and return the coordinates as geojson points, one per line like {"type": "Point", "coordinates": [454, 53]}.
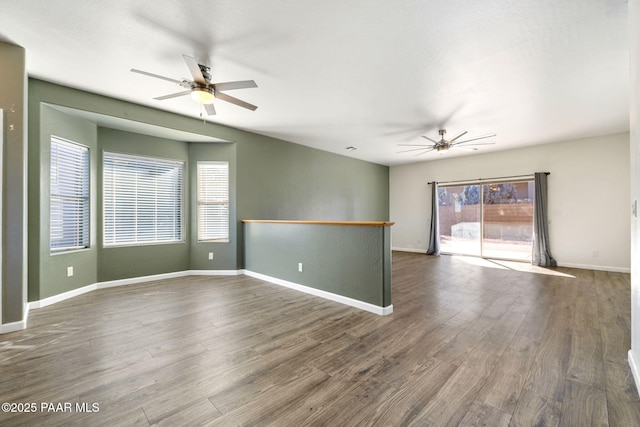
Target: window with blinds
{"type": "Point", "coordinates": [143, 199]}
{"type": "Point", "coordinates": [69, 196]}
{"type": "Point", "coordinates": [213, 201]}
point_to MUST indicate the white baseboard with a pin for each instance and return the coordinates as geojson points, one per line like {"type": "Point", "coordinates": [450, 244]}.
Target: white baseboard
{"type": "Point", "coordinates": [382, 311]}
{"type": "Point", "coordinates": [215, 272]}
{"type": "Point", "coordinates": [595, 267]}
{"type": "Point", "coordinates": [61, 297]}
{"type": "Point", "coordinates": [141, 279]}
{"type": "Point", "coordinates": [416, 250]}
{"type": "Point", "coordinates": [634, 368]}
{"type": "Point", "coordinates": [13, 327]}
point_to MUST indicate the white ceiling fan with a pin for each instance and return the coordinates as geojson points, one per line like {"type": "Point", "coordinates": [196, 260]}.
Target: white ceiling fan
{"type": "Point", "coordinates": [444, 145]}
{"type": "Point", "coordinates": [201, 89]}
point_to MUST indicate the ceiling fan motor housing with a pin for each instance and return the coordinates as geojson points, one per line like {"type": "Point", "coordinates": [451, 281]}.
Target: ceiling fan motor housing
{"type": "Point", "coordinates": [205, 72]}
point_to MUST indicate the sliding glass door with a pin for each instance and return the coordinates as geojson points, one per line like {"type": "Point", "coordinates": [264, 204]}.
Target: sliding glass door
{"type": "Point", "coordinates": [507, 215]}
{"type": "Point", "coordinates": [488, 219]}
{"type": "Point", "coordinates": [459, 213]}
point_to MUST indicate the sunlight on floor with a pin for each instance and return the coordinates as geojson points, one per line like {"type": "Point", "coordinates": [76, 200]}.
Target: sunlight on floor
{"type": "Point", "coordinates": [511, 265]}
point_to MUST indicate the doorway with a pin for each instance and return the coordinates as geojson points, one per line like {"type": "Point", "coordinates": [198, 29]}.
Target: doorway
{"type": "Point", "coordinates": [487, 219]}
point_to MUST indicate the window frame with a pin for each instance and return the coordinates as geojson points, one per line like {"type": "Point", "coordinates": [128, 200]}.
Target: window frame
{"type": "Point", "coordinates": [106, 155]}
{"type": "Point", "coordinates": [84, 199]}
{"type": "Point", "coordinates": [201, 203]}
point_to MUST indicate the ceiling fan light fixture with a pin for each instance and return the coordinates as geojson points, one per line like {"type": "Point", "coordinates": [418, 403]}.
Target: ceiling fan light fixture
{"type": "Point", "coordinates": [202, 95]}
{"type": "Point", "coordinates": [442, 148]}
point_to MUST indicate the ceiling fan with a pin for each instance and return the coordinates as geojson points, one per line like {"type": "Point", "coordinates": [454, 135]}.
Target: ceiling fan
{"type": "Point", "coordinates": [201, 89]}
{"type": "Point", "coordinates": [444, 145]}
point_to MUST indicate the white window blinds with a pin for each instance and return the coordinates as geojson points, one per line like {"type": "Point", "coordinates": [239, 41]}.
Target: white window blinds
{"type": "Point", "coordinates": [143, 199]}
{"type": "Point", "coordinates": [213, 201]}
{"type": "Point", "coordinates": [69, 197]}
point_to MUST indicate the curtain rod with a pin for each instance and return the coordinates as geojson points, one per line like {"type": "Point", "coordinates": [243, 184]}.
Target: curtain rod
{"type": "Point", "coordinates": [485, 179]}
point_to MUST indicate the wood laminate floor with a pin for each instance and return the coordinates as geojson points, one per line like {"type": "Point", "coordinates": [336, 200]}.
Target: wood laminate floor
{"type": "Point", "coordinates": [471, 342]}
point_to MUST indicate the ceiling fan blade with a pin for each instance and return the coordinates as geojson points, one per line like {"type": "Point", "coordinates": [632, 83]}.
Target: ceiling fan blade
{"type": "Point", "coordinates": [464, 147]}
{"type": "Point", "coordinates": [144, 73]}
{"type": "Point", "coordinates": [211, 111]}
{"type": "Point", "coordinates": [236, 101]}
{"type": "Point", "coordinates": [477, 138]}
{"type": "Point", "coordinates": [416, 149]}
{"type": "Point", "coordinates": [242, 84]}
{"type": "Point", "coordinates": [194, 68]}
{"type": "Point", "coordinates": [413, 145]}
{"type": "Point", "coordinates": [459, 135]}
{"type": "Point", "coordinates": [172, 95]}
{"type": "Point", "coordinates": [432, 140]}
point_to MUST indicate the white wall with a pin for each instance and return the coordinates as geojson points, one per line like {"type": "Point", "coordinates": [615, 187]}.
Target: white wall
{"type": "Point", "coordinates": [588, 196]}
{"type": "Point", "coordinates": [634, 41]}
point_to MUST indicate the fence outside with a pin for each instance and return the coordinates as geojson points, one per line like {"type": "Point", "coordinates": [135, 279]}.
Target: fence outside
{"type": "Point", "coordinates": [512, 221]}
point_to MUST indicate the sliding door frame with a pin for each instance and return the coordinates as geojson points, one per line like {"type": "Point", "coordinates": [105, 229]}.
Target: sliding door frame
{"type": "Point", "coordinates": [481, 183]}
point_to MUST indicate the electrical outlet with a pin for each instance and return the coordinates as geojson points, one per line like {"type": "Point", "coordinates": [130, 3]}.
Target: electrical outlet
{"type": "Point", "coordinates": [595, 253]}
{"type": "Point", "coordinates": [300, 267]}
{"type": "Point", "coordinates": [211, 255]}
{"type": "Point", "coordinates": [69, 271]}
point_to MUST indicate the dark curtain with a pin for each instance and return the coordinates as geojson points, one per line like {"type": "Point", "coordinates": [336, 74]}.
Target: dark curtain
{"type": "Point", "coordinates": [434, 231]}
{"type": "Point", "coordinates": [541, 253]}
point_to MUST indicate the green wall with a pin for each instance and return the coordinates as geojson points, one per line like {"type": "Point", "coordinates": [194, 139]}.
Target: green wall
{"type": "Point", "coordinates": [12, 101]}
{"type": "Point", "coordinates": [47, 272]}
{"type": "Point", "coordinates": [225, 253]}
{"type": "Point", "coordinates": [347, 260]}
{"type": "Point", "coordinates": [280, 180]}
{"type": "Point", "coordinates": [269, 179]}
{"type": "Point", "coordinates": [122, 262]}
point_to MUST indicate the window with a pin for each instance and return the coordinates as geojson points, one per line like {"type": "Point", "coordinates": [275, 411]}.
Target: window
{"type": "Point", "coordinates": [69, 202]}
{"type": "Point", "coordinates": [213, 201]}
{"type": "Point", "coordinates": [143, 200]}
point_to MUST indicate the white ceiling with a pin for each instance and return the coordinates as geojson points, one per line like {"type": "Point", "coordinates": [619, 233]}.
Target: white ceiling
{"type": "Point", "coordinates": [339, 73]}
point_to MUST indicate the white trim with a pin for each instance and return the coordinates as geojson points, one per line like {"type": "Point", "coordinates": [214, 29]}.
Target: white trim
{"type": "Point", "coordinates": [13, 327]}
{"type": "Point", "coordinates": [382, 311]}
{"type": "Point", "coordinates": [596, 267]}
{"type": "Point", "coordinates": [415, 250]}
{"type": "Point", "coordinates": [634, 368]}
{"type": "Point", "coordinates": [61, 297]}
{"type": "Point", "coordinates": [141, 279]}
{"type": "Point", "coordinates": [215, 272]}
